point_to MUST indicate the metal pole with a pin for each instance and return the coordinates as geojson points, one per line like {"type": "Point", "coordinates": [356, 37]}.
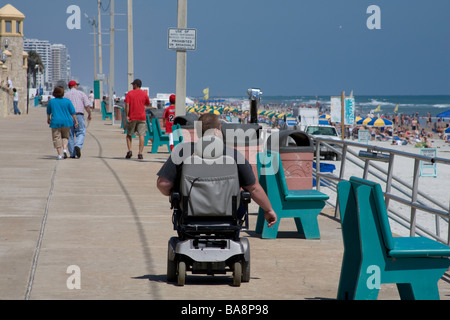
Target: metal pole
{"type": "Point", "coordinates": [180, 103]}
{"type": "Point", "coordinates": [342, 116]}
{"type": "Point", "coordinates": [95, 52]}
{"type": "Point", "coordinates": [100, 51]}
{"type": "Point", "coordinates": [100, 58]}
{"type": "Point", "coordinates": [111, 66]}
{"type": "Point", "coordinates": [130, 45]}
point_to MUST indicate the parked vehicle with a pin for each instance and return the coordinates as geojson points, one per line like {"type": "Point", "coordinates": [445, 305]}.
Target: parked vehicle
{"type": "Point", "coordinates": [327, 132]}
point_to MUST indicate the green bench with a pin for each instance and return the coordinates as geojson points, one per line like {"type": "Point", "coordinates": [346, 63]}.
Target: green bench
{"type": "Point", "coordinates": [159, 137]}
{"type": "Point", "coordinates": [302, 205]}
{"type": "Point", "coordinates": [372, 256]}
{"type": "Point", "coordinates": [149, 134]}
{"type": "Point", "coordinates": [105, 114]}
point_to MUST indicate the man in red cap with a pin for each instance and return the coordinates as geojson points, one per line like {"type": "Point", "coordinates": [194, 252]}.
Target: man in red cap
{"type": "Point", "coordinates": [135, 102]}
{"type": "Point", "coordinates": [169, 116]}
{"type": "Point", "coordinates": [82, 105]}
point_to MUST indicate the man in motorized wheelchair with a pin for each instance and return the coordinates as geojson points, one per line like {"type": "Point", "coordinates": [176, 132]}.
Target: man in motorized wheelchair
{"type": "Point", "coordinates": [210, 185]}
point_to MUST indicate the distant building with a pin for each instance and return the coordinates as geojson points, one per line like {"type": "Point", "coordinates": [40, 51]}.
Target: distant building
{"type": "Point", "coordinates": [42, 47]}
{"type": "Point", "coordinates": [59, 64]}
{"type": "Point", "coordinates": [13, 62]}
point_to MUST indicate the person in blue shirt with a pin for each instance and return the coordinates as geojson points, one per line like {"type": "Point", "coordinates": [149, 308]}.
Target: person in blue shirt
{"type": "Point", "coordinates": [61, 117]}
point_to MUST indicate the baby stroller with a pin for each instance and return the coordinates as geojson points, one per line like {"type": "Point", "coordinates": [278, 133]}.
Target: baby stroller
{"type": "Point", "coordinates": [206, 217]}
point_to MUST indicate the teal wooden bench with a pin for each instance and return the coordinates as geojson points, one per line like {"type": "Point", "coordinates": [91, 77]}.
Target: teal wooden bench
{"type": "Point", "coordinates": [149, 134]}
{"type": "Point", "coordinates": [159, 138]}
{"type": "Point", "coordinates": [105, 114]}
{"type": "Point", "coordinates": [123, 123]}
{"type": "Point", "coordinates": [302, 205]}
{"type": "Point", "coordinates": [372, 256]}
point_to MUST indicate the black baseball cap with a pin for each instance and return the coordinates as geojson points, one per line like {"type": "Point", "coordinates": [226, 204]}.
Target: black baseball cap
{"type": "Point", "coordinates": [137, 82]}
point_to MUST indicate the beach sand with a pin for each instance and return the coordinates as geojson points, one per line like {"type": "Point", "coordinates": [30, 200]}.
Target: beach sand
{"type": "Point", "coordinates": [435, 187]}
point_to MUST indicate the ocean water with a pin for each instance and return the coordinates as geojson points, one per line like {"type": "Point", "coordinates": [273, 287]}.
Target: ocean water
{"type": "Point", "coordinates": [434, 104]}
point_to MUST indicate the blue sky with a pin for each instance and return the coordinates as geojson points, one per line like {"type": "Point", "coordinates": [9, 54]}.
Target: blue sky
{"type": "Point", "coordinates": [284, 47]}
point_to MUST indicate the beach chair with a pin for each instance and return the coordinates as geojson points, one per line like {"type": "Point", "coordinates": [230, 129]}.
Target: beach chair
{"type": "Point", "coordinates": [159, 138]}
{"type": "Point", "coordinates": [105, 114]}
{"type": "Point", "coordinates": [149, 134]}
{"type": "Point", "coordinates": [302, 205]}
{"type": "Point", "coordinates": [372, 256]}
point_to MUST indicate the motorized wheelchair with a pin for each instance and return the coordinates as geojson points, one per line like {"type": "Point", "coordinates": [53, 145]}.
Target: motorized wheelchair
{"type": "Point", "coordinates": [209, 212]}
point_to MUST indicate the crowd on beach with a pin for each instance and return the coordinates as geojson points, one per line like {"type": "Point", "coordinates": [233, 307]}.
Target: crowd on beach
{"type": "Point", "coordinates": [406, 129]}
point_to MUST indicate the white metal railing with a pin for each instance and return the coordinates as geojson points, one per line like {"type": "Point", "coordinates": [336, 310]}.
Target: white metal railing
{"type": "Point", "coordinates": [406, 194]}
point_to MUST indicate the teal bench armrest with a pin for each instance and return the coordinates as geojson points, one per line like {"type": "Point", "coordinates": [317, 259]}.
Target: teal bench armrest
{"type": "Point", "coordinates": [417, 247]}
{"type": "Point", "coordinates": [306, 195]}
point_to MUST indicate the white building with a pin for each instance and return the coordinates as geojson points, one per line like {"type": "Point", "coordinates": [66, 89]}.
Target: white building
{"type": "Point", "coordinates": [42, 47]}
{"type": "Point", "coordinates": [60, 64]}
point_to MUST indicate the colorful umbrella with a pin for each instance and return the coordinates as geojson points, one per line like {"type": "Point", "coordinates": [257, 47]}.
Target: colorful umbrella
{"type": "Point", "coordinates": [380, 122]}
{"type": "Point", "coordinates": [324, 117]}
{"type": "Point", "coordinates": [367, 120]}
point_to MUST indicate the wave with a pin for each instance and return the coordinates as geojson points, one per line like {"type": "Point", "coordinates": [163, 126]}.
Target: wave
{"type": "Point", "coordinates": [375, 102]}
{"type": "Point", "coordinates": [443, 106]}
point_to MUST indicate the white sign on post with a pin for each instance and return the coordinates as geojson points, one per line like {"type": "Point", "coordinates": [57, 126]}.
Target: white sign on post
{"type": "Point", "coordinates": [182, 39]}
{"type": "Point", "coordinates": [349, 110]}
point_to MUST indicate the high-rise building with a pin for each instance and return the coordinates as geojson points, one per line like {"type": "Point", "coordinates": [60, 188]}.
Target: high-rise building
{"type": "Point", "coordinates": [42, 47]}
{"type": "Point", "coordinates": [59, 64]}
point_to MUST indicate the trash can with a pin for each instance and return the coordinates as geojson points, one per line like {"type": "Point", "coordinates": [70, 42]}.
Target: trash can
{"type": "Point", "coordinates": [245, 138]}
{"type": "Point", "coordinates": [187, 122]}
{"type": "Point", "coordinates": [296, 151]}
{"type": "Point", "coordinates": [324, 167]}
{"type": "Point", "coordinates": [156, 113]}
{"type": "Point", "coordinates": [118, 112]}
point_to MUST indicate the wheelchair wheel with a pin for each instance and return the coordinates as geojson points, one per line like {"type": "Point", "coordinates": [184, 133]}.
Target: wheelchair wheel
{"type": "Point", "coordinates": [237, 274]}
{"type": "Point", "coordinates": [171, 270]}
{"type": "Point", "coordinates": [245, 271]}
{"type": "Point", "coordinates": [181, 273]}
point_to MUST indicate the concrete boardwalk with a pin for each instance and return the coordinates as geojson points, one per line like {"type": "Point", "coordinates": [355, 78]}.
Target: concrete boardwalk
{"type": "Point", "coordinates": [104, 214]}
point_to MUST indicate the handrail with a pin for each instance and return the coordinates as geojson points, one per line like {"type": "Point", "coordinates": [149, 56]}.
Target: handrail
{"type": "Point", "coordinates": [411, 200]}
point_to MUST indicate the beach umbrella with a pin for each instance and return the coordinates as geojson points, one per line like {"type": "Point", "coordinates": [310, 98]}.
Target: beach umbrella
{"type": "Point", "coordinates": [214, 111]}
{"type": "Point", "coordinates": [445, 114]}
{"type": "Point", "coordinates": [324, 117]}
{"type": "Point", "coordinates": [357, 119]}
{"type": "Point", "coordinates": [367, 120]}
{"type": "Point", "coordinates": [380, 122]}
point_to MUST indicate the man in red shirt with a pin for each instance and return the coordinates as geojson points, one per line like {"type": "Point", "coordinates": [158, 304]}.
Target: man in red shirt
{"type": "Point", "coordinates": [169, 116]}
{"type": "Point", "coordinates": [135, 102]}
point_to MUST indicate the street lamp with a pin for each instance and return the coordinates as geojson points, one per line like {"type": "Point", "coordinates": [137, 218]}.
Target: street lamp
{"type": "Point", "coordinates": [94, 25]}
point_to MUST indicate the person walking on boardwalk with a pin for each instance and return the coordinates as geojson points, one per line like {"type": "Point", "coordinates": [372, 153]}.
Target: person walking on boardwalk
{"type": "Point", "coordinates": [135, 102]}
{"type": "Point", "coordinates": [61, 116]}
{"type": "Point", "coordinates": [82, 104]}
{"type": "Point", "coordinates": [169, 116]}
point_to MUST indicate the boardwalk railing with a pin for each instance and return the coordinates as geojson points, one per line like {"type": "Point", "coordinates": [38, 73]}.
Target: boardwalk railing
{"type": "Point", "coordinates": [378, 162]}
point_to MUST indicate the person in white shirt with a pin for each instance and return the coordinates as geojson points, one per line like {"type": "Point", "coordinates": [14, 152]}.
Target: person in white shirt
{"type": "Point", "coordinates": [16, 101]}
{"type": "Point", "coordinates": [82, 104]}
